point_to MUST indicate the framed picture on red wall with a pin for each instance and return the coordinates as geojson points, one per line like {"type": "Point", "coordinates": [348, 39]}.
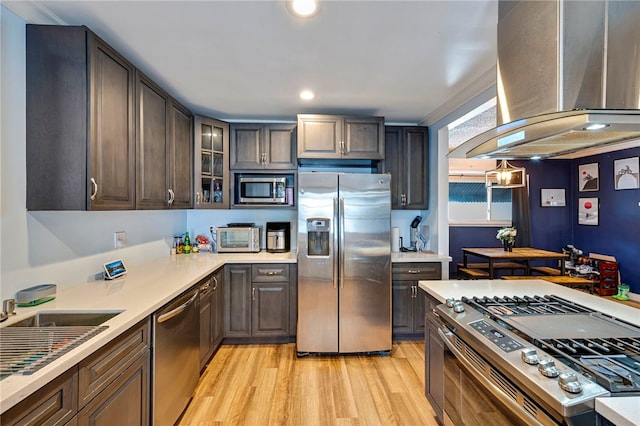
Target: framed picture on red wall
{"type": "Point", "coordinates": [588, 211]}
{"type": "Point", "coordinates": [588, 177]}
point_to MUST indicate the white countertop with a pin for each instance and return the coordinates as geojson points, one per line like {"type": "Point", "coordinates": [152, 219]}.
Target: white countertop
{"type": "Point", "coordinates": [143, 290]}
{"type": "Point", "coordinates": [619, 410]}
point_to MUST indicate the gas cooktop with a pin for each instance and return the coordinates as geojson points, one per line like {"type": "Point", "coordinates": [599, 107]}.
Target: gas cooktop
{"type": "Point", "coordinates": [602, 348]}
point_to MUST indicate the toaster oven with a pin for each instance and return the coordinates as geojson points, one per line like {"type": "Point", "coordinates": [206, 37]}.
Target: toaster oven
{"type": "Point", "coordinates": [238, 239]}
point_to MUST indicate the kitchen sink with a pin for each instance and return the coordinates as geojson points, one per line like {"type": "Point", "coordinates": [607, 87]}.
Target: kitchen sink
{"type": "Point", "coordinates": [66, 318]}
{"type": "Point", "coordinates": [34, 342]}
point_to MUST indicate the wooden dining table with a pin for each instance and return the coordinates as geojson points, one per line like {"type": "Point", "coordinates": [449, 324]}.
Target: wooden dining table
{"type": "Point", "coordinates": [519, 254]}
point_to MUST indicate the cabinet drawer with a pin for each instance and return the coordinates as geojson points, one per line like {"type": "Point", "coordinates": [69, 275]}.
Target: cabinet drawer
{"type": "Point", "coordinates": [417, 271]}
{"type": "Point", "coordinates": [125, 401]}
{"type": "Point", "coordinates": [53, 404]}
{"type": "Point", "coordinates": [269, 272]}
{"type": "Point", "coordinates": [100, 369]}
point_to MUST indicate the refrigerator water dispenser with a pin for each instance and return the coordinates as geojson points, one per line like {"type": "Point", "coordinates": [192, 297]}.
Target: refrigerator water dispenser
{"type": "Point", "coordinates": [318, 236]}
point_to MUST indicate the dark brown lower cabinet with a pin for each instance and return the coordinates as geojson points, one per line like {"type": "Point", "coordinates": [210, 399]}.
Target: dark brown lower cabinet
{"type": "Point", "coordinates": [110, 387]}
{"type": "Point", "coordinates": [258, 304]}
{"type": "Point", "coordinates": [125, 401]}
{"type": "Point", "coordinates": [433, 358]}
{"type": "Point", "coordinates": [211, 315]}
{"type": "Point", "coordinates": [407, 307]}
{"type": "Point", "coordinates": [55, 403]}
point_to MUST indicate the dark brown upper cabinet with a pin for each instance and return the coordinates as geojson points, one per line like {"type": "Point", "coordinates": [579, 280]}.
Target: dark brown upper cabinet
{"type": "Point", "coordinates": [407, 159]}
{"type": "Point", "coordinates": [323, 137]}
{"type": "Point", "coordinates": [80, 138]}
{"type": "Point", "coordinates": [100, 135]}
{"type": "Point", "coordinates": [211, 163]}
{"type": "Point", "coordinates": [259, 146]}
{"type": "Point", "coordinates": [164, 149]}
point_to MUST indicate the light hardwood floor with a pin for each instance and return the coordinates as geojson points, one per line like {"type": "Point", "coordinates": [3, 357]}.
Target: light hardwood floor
{"type": "Point", "coordinates": [270, 385]}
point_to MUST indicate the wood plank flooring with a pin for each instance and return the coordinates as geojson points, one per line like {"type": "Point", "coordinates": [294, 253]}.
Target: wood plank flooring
{"type": "Point", "coordinates": [270, 385]}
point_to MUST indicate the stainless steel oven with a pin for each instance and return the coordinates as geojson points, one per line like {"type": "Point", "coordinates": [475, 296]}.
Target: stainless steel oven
{"type": "Point", "coordinates": [476, 393]}
{"type": "Point", "coordinates": [523, 361]}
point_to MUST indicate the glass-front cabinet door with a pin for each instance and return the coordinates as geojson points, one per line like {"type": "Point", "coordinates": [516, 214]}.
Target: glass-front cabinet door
{"type": "Point", "coordinates": [212, 171]}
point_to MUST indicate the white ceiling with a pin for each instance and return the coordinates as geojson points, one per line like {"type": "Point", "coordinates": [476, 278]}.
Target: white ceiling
{"type": "Point", "coordinates": [247, 60]}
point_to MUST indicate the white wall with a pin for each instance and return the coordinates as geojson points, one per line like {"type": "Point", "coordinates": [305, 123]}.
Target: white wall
{"type": "Point", "coordinates": [65, 248]}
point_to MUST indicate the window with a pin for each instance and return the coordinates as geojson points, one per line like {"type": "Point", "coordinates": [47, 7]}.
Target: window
{"type": "Point", "coordinates": [470, 202]}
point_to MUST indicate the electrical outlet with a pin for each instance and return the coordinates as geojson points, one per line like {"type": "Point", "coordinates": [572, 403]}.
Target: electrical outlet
{"type": "Point", "coordinates": [119, 239]}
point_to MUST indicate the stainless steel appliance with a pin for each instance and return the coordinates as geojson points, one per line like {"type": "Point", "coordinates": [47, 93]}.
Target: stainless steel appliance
{"type": "Point", "coordinates": [278, 237]}
{"type": "Point", "coordinates": [543, 359]}
{"type": "Point", "coordinates": [176, 357]}
{"type": "Point", "coordinates": [584, 92]}
{"type": "Point", "coordinates": [344, 263]}
{"type": "Point", "coordinates": [239, 238]}
{"type": "Point", "coordinates": [261, 189]}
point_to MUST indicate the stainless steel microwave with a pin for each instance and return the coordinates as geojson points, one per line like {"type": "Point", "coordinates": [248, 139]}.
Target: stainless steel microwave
{"type": "Point", "coordinates": [233, 239]}
{"type": "Point", "coordinates": [257, 189]}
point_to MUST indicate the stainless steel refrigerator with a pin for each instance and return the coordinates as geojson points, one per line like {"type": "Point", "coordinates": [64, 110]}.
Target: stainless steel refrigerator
{"type": "Point", "coordinates": [344, 263]}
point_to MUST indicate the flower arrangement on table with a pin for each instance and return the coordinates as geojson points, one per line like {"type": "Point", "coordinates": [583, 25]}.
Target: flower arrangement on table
{"type": "Point", "coordinates": [508, 236]}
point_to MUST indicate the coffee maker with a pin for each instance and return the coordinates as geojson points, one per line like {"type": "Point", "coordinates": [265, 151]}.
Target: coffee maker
{"type": "Point", "coordinates": [278, 237]}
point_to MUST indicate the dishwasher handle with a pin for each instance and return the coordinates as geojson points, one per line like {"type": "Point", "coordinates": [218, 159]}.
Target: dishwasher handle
{"type": "Point", "coordinates": [180, 309]}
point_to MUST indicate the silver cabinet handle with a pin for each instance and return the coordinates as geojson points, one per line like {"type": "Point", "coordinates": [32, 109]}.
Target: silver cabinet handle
{"type": "Point", "coordinates": [171, 196]}
{"type": "Point", "coordinates": [197, 197]}
{"type": "Point", "coordinates": [414, 271]}
{"type": "Point", "coordinates": [403, 199]}
{"type": "Point", "coordinates": [215, 280]}
{"type": "Point", "coordinates": [94, 193]}
{"type": "Point", "coordinates": [253, 293]}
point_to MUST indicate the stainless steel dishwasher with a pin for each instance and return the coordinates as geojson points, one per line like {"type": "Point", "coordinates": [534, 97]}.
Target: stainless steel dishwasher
{"type": "Point", "coordinates": [176, 356]}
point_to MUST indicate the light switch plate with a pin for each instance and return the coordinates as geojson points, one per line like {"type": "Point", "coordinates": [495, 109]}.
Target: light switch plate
{"type": "Point", "coordinates": [119, 239]}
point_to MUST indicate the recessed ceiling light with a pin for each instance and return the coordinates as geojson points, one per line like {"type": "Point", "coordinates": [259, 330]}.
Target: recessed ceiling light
{"type": "Point", "coordinates": [307, 95]}
{"type": "Point", "coordinates": [303, 8]}
{"type": "Point", "coordinates": [596, 126]}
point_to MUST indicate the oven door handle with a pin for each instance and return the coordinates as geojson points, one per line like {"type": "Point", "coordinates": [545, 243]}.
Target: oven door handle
{"type": "Point", "coordinates": [497, 392]}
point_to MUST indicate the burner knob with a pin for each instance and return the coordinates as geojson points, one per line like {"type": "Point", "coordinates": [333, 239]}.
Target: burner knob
{"type": "Point", "coordinates": [547, 368]}
{"type": "Point", "coordinates": [450, 301]}
{"type": "Point", "coordinates": [529, 356]}
{"type": "Point", "coordinates": [569, 382]}
{"type": "Point", "coordinates": [458, 307]}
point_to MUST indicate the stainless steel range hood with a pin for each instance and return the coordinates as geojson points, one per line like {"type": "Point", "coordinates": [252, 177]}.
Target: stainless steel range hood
{"type": "Point", "coordinates": [564, 66]}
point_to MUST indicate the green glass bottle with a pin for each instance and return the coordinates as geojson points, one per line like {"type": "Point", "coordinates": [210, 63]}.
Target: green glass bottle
{"type": "Point", "coordinates": [187, 244]}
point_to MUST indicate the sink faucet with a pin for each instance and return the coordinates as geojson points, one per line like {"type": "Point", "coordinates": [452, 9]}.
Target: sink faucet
{"type": "Point", "coordinates": [8, 308]}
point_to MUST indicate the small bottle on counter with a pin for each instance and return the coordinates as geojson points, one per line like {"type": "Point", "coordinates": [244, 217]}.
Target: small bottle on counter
{"type": "Point", "coordinates": [180, 246]}
{"type": "Point", "coordinates": [187, 244]}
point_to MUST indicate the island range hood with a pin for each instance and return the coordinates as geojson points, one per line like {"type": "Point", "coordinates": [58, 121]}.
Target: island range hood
{"type": "Point", "coordinates": [568, 81]}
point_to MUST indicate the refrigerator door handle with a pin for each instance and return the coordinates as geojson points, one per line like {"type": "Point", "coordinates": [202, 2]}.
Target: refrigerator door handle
{"type": "Point", "coordinates": [335, 242]}
{"type": "Point", "coordinates": [341, 226]}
